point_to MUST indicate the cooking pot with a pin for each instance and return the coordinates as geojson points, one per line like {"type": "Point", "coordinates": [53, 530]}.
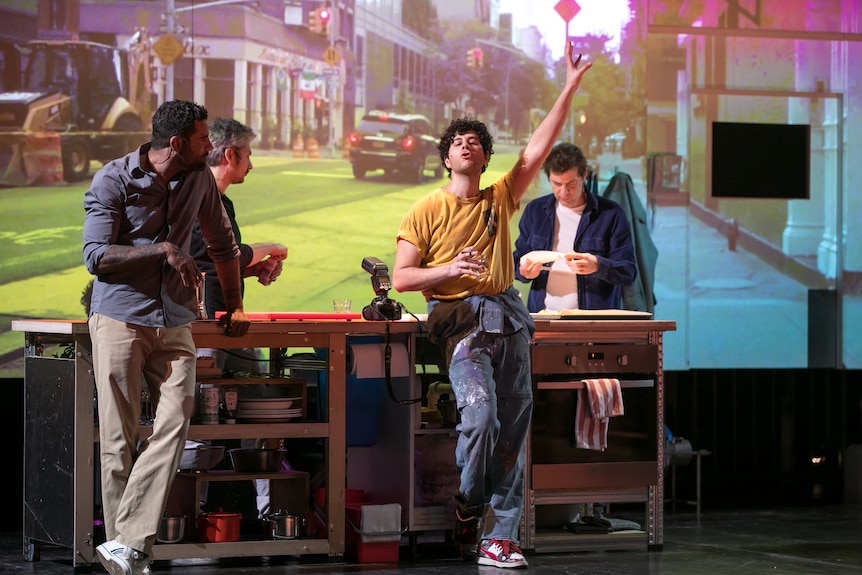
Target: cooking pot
{"type": "Point", "coordinates": [171, 529]}
{"type": "Point", "coordinates": [283, 525]}
{"type": "Point", "coordinates": [218, 527]}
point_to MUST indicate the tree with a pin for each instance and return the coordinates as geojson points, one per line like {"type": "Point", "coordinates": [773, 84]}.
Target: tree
{"type": "Point", "coordinates": [420, 16]}
{"type": "Point", "coordinates": [529, 87]}
{"type": "Point", "coordinates": [601, 97]}
{"type": "Point", "coordinates": [484, 89]}
{"type": "Point", "coordinates": [457, 85]}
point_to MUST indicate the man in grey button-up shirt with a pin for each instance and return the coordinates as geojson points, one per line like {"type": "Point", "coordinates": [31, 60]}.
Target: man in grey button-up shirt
{"type": "Point", "coordinates": [140, 210]}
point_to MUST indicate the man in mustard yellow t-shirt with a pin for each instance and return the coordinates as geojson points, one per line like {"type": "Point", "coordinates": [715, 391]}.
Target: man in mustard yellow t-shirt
{"type": "Point", "coordinates": [454, 247]}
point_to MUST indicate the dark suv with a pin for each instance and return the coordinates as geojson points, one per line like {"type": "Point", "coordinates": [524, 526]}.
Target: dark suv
{"type": "Point", "coordinates": [394, 142]}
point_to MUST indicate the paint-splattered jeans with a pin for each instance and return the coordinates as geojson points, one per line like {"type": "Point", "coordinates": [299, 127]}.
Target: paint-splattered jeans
{"type": "Point", "coordinates": [490, 376]}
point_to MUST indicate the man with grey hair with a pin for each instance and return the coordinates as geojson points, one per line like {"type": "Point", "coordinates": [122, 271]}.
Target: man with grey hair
{"type": "Point", "coordinates": [230, 162]}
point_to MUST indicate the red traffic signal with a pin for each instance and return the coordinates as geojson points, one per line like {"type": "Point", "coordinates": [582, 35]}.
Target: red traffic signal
{"type": "Point", "coordinates": [318, 20]}
{"type": "Point", "coordinates": [475, 58]}
{"type": "Point", "coordinates": [324, 20]}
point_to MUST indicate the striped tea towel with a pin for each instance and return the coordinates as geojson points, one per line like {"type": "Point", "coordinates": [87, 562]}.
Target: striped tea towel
{"type": "Point", "coordinates": [598, 400]}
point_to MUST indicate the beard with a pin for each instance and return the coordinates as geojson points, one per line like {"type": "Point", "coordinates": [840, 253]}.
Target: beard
{"type": "Point", "coordinates": [194, 165]}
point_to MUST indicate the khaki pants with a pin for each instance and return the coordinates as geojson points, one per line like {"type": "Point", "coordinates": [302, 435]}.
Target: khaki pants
{"type": "Point", "coordinates": [136, 481]}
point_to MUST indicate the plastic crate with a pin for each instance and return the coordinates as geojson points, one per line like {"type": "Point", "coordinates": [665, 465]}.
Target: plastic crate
{"type": "Point", "coordinates": [359, 551]}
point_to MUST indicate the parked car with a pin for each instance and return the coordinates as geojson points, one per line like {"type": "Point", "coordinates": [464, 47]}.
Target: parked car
{"type": "Point", "coordinates": [394, 143]}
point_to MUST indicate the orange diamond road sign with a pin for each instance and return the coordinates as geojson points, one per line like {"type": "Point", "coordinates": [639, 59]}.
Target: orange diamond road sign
{"type": "Point", "coordinates": [168, 49]}
{"type": "Point", "coordinates": [331, 56]}
{"type": "Point", "coordinates": [567, 9]}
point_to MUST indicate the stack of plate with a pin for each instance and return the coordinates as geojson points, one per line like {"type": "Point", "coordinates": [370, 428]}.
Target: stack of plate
{"type": "Point", "coordinates": [269, 409]}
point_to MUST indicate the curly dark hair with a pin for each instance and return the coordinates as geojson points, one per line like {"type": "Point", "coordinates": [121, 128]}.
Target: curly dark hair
{"type": "Point", "coordinates": [461, 126]}
{"type": "Point", "coordinates": [175, 118]}
{"type": "Point", "coordinates": [563, 157]}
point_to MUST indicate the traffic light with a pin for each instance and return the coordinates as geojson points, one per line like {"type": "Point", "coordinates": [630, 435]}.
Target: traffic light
{"type": "Point", "coordinates": [324, 17]}
{"type": "Point", "coordinates": [314, 22]}
{"type": "Point", "coordinates": [318, 20]}
{"type": "Point", "coordinates": [475, 58]}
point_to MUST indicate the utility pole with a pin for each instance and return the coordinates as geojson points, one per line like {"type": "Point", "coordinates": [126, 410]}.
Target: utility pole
{"type": "Point", "coordinates": [170, 26]}
{"type": "Point", "coordinates": [332, 81]}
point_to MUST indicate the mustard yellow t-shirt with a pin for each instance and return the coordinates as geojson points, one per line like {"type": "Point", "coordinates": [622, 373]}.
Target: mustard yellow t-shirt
{"type": "Point", "coordinates": [440, 225]}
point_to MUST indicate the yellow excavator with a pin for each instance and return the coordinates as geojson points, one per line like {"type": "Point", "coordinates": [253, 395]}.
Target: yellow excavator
{"type": "Point", "coordinates": [79, 101]}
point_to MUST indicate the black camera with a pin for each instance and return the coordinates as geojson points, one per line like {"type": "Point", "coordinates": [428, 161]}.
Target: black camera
{"type": "Point", "coordinates": [381, 307]}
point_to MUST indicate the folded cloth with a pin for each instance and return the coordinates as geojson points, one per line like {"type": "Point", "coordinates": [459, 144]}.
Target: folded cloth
{"type": "Point", "coordinates": [583, 527]}
{"type": "Point", "coordinates": [598, 400]}
{"type": "Point", "coordinates": [380, 523]}
{"type": "Point", "coordinates": [593, 524]}
{"type": "Point", "coordinates": [613, 523]}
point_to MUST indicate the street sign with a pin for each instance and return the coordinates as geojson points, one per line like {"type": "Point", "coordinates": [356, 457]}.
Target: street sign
{"type": "Point", "coordinates": [331, 56]}
{"type": "Point", "coordinates": [567, 9]}
{"type": "Point", "coordinates": [168, 49]}
{"type": "Point", "coordinates": [330, 71]}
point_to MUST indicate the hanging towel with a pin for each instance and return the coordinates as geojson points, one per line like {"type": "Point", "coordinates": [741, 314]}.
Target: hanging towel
{"type": "Point", "coordinates": [598, 400]}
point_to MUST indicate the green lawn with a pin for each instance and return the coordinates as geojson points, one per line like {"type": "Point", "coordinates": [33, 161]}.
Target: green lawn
{"type": "Point", "coordinates": [328, 221]}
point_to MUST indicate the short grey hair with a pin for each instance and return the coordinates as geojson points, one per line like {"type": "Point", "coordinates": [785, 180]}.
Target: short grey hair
{"type": "Point", "coordinates": [227, 133]}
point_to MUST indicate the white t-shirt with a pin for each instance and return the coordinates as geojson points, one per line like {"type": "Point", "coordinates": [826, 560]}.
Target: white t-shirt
{"type": "Point", "coordinates": [562, 289]}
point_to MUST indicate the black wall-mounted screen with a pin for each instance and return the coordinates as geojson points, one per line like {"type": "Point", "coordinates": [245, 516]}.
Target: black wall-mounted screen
{"type": "Point", "coordinates": [760, 160]}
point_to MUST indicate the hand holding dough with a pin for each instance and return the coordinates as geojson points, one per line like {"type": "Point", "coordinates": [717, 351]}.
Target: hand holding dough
{"type": "Point", "coordinates": [541, 256]}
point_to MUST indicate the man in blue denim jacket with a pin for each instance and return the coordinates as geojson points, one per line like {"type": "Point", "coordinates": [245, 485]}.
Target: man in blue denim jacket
{"type": "Point", "coordinates": [590, 233]}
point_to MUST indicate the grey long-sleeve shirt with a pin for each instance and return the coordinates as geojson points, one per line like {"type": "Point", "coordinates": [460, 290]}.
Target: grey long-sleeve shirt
{"type": "Point", "coordinates": [129, 206]}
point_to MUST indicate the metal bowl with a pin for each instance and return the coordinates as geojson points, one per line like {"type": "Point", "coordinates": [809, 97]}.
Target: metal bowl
{"type": "Point", "coordinates": [201, 458]}
{"type": "Point", "coordinates": [254, 459]}
{"type": "Point", "coordinates": [171, 529]}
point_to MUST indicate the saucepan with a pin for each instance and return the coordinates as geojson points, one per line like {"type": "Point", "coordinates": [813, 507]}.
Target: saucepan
{"type": "Point", "coordinates": [171, 529]}
{"type": "Point", "coordinates": [284, 525]}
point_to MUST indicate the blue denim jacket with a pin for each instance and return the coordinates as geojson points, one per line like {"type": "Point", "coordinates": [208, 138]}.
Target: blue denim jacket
{"type": "Point", "coordinates": [604, 231]}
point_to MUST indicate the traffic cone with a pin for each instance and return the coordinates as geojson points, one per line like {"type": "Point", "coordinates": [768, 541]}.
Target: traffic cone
{"type": "Point", "coordinates": [312, 149]}
{"type": "Point", "coordinates": [298, 147]}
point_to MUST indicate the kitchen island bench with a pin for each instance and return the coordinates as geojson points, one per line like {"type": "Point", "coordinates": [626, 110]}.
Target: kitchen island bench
{"type": "Point", "coordinates": [61, 430]}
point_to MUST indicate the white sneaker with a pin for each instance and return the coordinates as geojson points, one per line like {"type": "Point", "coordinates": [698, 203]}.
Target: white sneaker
{"type": "Point", "coordinates": [118, 559]}
{"type": "Point", "coordinates": [501, 553]}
